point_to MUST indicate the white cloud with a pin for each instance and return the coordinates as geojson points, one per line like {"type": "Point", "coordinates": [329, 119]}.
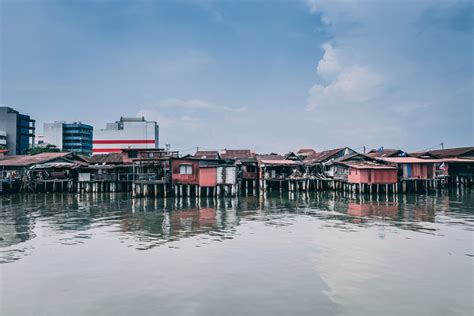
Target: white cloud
{"type": "Point", "coordinates": [315, 7]}
{"type": "Point", "coordinates": [350, 85]}
{"type": "Point", "coordinates": [328, 66]}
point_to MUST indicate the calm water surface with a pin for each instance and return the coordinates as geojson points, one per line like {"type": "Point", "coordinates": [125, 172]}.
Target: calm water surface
{"type": "Point", "coordinates": [284, 255]}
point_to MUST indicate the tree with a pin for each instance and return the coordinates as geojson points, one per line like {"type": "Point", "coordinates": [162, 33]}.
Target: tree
{"type": "Point", "coordinates": [43, 149]}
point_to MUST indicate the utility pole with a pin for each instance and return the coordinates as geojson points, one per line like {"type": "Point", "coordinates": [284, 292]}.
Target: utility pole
{"type": "Point", "coordinates": [442, 145]}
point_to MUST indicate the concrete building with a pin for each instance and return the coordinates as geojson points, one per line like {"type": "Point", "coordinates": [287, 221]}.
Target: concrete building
{"type": "Point", "coordinates": [126, 133]}
{"type": "Point", "coordinates": [19, 129]}
{"type": "Point", "coordinates": [72, 137]}
{"type": "Point", "coordinates": [3, 139]}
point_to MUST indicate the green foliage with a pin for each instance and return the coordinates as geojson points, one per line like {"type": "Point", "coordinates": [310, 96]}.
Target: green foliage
{"type": "Point", "coordinates": [45, 149]}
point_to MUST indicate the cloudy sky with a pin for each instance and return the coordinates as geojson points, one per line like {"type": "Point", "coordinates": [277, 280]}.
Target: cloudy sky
{"type": "Point", "coordinates": [267, 75]}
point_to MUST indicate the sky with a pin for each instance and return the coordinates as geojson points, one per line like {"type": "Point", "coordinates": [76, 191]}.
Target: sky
{"type": "Point", "coordinates": [272, 76]}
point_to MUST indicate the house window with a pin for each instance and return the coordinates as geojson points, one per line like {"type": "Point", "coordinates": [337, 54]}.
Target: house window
{"type": "Point", "coordinates": [185, 169]}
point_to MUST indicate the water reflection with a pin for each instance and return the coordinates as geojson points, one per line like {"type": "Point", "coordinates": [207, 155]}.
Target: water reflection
{"type": "Point", "coordinates": [148, 223]}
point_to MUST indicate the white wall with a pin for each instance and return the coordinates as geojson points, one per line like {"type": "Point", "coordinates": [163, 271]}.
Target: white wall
{"type": "Point", "coordinates": [53, 134]}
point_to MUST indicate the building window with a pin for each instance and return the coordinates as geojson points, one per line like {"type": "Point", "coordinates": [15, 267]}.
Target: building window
{"type": "Point", "coordinates": [185, 169]}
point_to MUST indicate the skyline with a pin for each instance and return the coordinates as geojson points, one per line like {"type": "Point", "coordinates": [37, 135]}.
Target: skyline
{"type": "Point", "coordinates": [271, 76]}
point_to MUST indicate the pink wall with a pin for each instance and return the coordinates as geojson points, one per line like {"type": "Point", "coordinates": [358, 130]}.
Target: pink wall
{"type": "Point", "coordinates": [185, 178]}
{"type": "Point", "coordinates": [422, 171]}
{"type": "Point", "coordinates": [208, 177]}
{"type": "Point", "coordinates": [372, 176]}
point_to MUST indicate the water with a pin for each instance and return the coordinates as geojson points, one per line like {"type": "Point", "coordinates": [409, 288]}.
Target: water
{"type": "Point", "coordinates": [286, 255]}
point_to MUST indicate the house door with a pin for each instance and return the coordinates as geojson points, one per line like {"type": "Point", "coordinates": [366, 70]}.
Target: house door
{"type": "Point", "coordinates": [408, 170]}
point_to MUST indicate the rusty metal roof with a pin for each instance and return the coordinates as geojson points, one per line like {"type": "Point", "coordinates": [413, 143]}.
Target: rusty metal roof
{"type": "Point", "coordinates": [367, 165]}
{"type": "Point", "coordinates": [112, 158]}
{"type": "Point", "coordinates": [207, 154]}
{"type": "Point", "coordinates": [408, 160]}
{"type": "Point", "coordinates": [237, 154]}
{"type": "Point", "coordinates": [27, 160]}
{"type": "Point", "coordinates": [269, 157]}
{"type": "Point", "coordinates": [322, 156]}
{"type": "Point", "coordinates": [385, 153]}
{"type": "Point", "coordinates": [422, 154]}
{"type": "Point", "coordinates": [306, 151]}
{"type": "Point", "coordinates": [453, 152]}
{"type": "Point", "coordinates": [279, 162]}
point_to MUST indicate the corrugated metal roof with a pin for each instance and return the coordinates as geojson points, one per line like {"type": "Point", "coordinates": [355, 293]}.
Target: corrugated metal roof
{"type": "Point", "coordinates": [322, 156]}
{"type": "Point", "coordinates": [27, 160]}
{"type": "Point", "coordinates": [112, 158]}
{"type": "Point", "coordinates": [306, 151]}
{"type": "Point", "coordinates": [278, 162]}
{"type": "Point", "coordinates": [385, 153]}
{"type": "Point", "coordinates": [367, 165]}
{"type": "Point", "coordinates": [207, 154]}
{"type": "Point", "coordinates": [453, 152]}
{"type": "Point", "coordinates": [270, 157]}
{"type": "Point", "coordinates": [455, 159]}
{"type": "Point", "coordinates": [408, 160]}
{"type": "Point", "coordinates": [237, 154]}
{"type": "Point", "coordinates": [422, 154]}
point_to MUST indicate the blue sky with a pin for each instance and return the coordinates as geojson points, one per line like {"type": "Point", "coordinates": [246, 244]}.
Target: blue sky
{"type": "Point", "coordinates": [267, 75]}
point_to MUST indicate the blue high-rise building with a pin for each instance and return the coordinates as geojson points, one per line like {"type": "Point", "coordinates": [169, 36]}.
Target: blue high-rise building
{"type": "Point", "coordinates": [72, 137]}
{"type": "Point", "coordinates": [19, 130]}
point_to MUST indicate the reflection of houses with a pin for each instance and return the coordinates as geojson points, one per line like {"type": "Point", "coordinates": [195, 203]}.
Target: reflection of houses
{"type": "Point", "coordinates": [389, 210]}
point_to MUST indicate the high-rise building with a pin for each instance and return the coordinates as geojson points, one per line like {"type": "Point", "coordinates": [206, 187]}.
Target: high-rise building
{"type": "Point", "coordinates": [3, 140]}
{"type": "Point", "coordinates": [19, 129]}
{"type": "Point", "coordinates": [126, 133]}
{"type": "Point", "coordinates": [74, 137]}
